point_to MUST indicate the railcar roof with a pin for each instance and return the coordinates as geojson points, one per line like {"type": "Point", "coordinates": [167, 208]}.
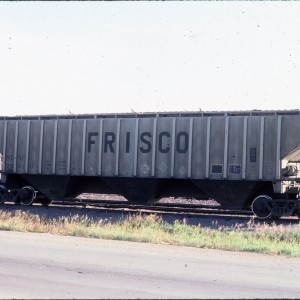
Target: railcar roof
{"type": "Point", "coordinates": [156, 114]}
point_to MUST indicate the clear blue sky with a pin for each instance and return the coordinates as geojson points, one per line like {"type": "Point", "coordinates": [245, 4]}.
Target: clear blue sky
{"type": "Point", "coordinates": [94, 57]}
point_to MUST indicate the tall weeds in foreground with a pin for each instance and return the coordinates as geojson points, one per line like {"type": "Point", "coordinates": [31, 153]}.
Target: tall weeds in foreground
{"type": "Point", "coordinates": [270, 239]}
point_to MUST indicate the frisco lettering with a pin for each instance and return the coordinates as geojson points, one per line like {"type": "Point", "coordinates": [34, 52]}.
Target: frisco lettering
{"type": "Point", "coordinates": [164, 139]}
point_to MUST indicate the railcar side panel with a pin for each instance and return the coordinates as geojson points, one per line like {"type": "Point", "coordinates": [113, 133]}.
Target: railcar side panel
{"type": "Point", "coordinates": [33, 146]}
{"type": "Point", "coordinates": [235, 148]}
{"type": "Point", "coordinates": [253, 148]}
{"type": "Point", "coordinates": [22, 147]}
{"type": "Point", "coordinates": [165, 147]}
{"type": "Point", "coordinates": [49, 147]}
{"type": "Point", "coordinates": [199, 146]}
{"type": "Point", "coordinates": [213, 147]}
{"type": "Point", "coordinates": [91, 160]}
{"type": "Point", "coordinates": [76, 147]}
{"type": "Point", "coordinates": [109, 147]}
{"type": "Point", "coordinates": [290, 134]}
{"type": "Point", "coordinates": [61, 157]}
{"type": "Point", "coordinates": [218, 165]}
{"type": "Point", "coordinates": [2, 151]}
{"type": "Point", "coordinates": [10, 146]}
{"type": "Point", "coordinates": [2, 154]}
{"type": "Point", "coordinates": [181, 154]}
{"type": "Point", "coordinates": [146, 145]}
{"type": "Point", "coordinates": [126, 165]}
{"type": "Point", "coordinates": [270, 148]}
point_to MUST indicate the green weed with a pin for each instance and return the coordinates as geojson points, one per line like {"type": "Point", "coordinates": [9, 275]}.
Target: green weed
{"type": "Point", "coordinates": [270, 239]}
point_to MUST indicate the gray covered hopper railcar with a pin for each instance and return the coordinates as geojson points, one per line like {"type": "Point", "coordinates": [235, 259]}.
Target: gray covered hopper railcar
{"type": "Point", "coordinates": [240, 159]}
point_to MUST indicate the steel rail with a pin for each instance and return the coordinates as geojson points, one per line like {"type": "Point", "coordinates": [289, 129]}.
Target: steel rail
{"type": "Point", "coordinates": [117, 205]}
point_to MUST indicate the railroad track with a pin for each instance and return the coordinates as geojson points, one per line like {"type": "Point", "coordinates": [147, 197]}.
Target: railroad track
{"type": "Point", "coordinates": [205, 214]}
{"type": "Point", "coordinates": [180, 209]}
{"type": "Point", "coordinates": [115, 205]}
{"type": "Point", "coordinates": [175, 210]}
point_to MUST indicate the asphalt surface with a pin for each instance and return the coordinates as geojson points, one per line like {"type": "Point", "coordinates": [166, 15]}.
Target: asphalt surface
{"type": "Point", "coordinates": [44, 266]}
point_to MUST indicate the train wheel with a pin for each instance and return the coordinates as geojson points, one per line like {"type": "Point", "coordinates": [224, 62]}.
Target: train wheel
{"type": "Point", "coordinates": [27, 195]}
{"type": "Point", "coordinates": [2, 193]}
{"type": "Point", "coordinates": [260, 206]}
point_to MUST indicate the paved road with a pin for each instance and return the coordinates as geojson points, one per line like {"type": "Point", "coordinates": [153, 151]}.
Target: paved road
{"type": "Point", "coordinates": [48, 266]}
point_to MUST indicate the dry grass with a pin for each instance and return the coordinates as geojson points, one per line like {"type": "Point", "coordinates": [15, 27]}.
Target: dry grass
{"type": "Point", "coordinates": [270, 239]}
